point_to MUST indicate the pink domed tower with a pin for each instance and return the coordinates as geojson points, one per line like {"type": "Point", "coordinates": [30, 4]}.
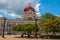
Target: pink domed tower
{"type": "Point", "coordinates": [29, 13]}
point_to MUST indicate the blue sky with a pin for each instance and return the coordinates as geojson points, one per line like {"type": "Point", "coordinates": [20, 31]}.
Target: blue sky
{"type": "Point", "coordinates": [14, 8]}
{"type": "Point", "coordinates": [50, 6]}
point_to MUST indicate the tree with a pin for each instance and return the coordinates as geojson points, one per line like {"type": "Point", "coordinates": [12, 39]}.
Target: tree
{"type": "Point", "coordinates": [26, 28]}
{"type": "Point", "coordinates": [46, 22]}
{"type": "Point", "coordinates": [30, 28]}
{"type": "Point", "coordinates": [56, 25]}
{"type": "Point", "coordinates": [17, 28]}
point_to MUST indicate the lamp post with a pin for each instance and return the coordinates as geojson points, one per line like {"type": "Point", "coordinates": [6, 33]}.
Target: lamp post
{"type": "Point", "coordinates": [36, 19]}
{"type": "Point", "coordinates": [9, 27]}
{"type": "Point", "coordinates": [4, 27]}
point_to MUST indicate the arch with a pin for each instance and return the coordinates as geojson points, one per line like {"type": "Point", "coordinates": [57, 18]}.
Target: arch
{"type": "Point", "coordinates": [30, 19]}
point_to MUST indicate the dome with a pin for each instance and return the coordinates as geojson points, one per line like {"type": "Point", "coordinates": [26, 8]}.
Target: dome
{"type": "Point", "coordinates": [29, 8]}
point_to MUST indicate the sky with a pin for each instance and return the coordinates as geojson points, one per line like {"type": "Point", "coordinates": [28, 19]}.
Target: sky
{"type": "Point", "coordinates": [50, 6]}
{"type": "Point", "coordinates": [14, 8]}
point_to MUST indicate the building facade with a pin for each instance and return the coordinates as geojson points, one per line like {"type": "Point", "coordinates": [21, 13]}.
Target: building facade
{"type": "Point", "coordinates": [27, 18]}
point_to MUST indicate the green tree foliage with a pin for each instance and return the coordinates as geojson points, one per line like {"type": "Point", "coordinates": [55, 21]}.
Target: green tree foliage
{"type": "Point", "coordinates": [56, 24]}
{"type": "Point", "coordinates": [49, 23]}
{"type": "Point", "coordinates": [17, 28]}
{"type": "Point", "coordinates": [26, 27]}
{"type": "Point", "coordinates": [31, 27]}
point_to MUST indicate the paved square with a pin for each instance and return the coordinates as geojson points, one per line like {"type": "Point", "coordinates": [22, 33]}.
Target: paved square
{"type": "Point", "coordinates": [13, 37]}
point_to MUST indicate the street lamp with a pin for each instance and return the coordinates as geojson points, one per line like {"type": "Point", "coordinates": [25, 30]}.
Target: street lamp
{"type": "Point", "coordinates": [4, 27]}
{"type": "Point", "coordinates": [36, 19]}
{"type": "Point", "coordinates": [9, 27]}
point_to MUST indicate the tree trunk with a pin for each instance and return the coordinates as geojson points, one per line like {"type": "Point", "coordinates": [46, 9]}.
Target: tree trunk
{"type": "Point", "coordinates": [54, 33]}
{"type": "Point", "coordinates": [28, 34]}
{"type": "Point", "coordinates": [22, 35]}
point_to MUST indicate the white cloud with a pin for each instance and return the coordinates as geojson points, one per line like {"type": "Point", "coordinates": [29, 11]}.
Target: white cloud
{"type": "Point", "coordinates": [14, 15]}
{"type": "Point", "coordinates": [19, 5]}
{"type": "Point", "coordinates": [37, 6]}
{"type": "Point", "coordinates": [3, 1]}
{"type": "Point", "coordinates": [1, 16]}
{"type": "Point", "coordinates": [38, 14]}
{"type": "Point", "coordinates": [16, 7]}
{"type": "Point", "coordinates": [11, 15]}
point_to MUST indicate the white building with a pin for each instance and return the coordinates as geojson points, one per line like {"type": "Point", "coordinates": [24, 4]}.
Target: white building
{"type": "Point", "coordinates": [27, 18]}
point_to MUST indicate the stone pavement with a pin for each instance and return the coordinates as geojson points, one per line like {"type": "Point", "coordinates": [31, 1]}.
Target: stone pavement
{"type": "Point", "coordinates": [13, 37]}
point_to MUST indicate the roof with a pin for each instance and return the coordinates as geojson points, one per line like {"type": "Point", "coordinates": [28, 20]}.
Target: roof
{"type": "Point", "coordinates": [29, 8]}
